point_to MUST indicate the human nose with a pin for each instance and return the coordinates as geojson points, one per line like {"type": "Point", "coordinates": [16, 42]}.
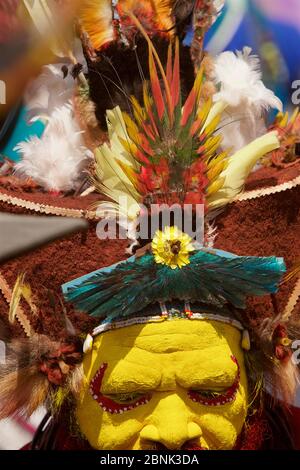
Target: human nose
{"type": "Point", "coordinates": [171, 424]}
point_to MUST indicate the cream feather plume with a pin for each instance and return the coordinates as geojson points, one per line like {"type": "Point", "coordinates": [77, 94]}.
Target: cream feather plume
{"type": "Point", "coordinates": [56, 160]}
{"type": "Point", "coordinates": [239, 167]}
{"type": "Point", "coordinates": [110, 178]}
{"type": "Point", "coordinates": [240, 84]}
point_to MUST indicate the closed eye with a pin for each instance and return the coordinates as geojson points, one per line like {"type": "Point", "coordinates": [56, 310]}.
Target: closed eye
{"type": "Point", "coordinates": [217, 397]}
{"type": "Point", "coordinates": [117, 402]}
{"type": "Point", "coordinates": [124, 398]}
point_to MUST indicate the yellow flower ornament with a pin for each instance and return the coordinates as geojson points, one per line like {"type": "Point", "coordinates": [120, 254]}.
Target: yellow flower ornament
{"type": "Point", "coordinates": [172, 247]}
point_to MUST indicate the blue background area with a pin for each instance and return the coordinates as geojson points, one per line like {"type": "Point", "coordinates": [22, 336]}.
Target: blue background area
{"type": "Point", "coordinates": [21, 131]}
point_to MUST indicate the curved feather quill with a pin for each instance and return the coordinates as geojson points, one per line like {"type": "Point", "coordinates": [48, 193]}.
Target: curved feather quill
{"type": "Point", "coordinates": [239, 167]}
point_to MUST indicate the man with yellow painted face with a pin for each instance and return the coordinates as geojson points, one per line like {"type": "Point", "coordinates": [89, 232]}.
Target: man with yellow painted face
{"type": "Point", "coordinates": [175, 384]}
{"type": "Point", "coordinates": [176, 374]}
{"type": "Point", "coordinates": [171, 363]}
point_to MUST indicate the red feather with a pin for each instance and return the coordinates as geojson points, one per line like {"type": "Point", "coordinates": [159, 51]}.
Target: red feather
{"type": "Point", "coordinates": [195, 127]}
{"type": "Point", "coordinates": [145, 146]}
{"type": "Point", "coordinates": [156, 88]}
{"type": "Point", "coordinates": [188, 107]}
{"type": "Point", "coordinates": [142, 158]}
{"type": "Point", "coordinates": [153, 124]}
{"type": "Point", "coordinates": [192, 99]}
{"type": "Point", "coordinates": [148, 130]}
{"type": "Point", "coordinates": [175, 89]}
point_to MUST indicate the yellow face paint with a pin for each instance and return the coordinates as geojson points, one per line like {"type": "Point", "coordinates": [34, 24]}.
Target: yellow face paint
{"type": "Point", "coordinates": [158, 370]}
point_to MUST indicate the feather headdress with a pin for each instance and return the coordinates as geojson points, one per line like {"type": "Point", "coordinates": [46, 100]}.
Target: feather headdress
{"type": "Point", "coordinates": [168, 151]}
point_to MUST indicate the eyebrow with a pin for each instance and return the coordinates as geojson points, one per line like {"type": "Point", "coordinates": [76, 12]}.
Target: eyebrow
{"type": "Point", "coordinates": [146, 380]}
{"type": "Point", "coordinates": [149, 379]}
{"type": "Point", "coordinates": [219, 377]}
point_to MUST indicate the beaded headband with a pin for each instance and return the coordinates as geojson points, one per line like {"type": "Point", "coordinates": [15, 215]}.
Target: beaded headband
{"type": "Point", "coordinates": [167, 315]}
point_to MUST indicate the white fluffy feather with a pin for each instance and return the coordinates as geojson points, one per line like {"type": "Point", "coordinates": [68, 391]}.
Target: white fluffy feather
{"type": "Point", "coordinates": [48, 92]}
{"type": "Point", "coordinates": [240, 84]}
{"type": "Point", "coordinates": [57, 159]}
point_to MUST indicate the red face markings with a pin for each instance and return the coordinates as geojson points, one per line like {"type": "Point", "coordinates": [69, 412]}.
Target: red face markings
{"type": "Point", "coordinates": [108, 404]}
{"type": "Point", "coordinates": [210, 398]}
{"type": "Point", "coordinates": [206, 398]}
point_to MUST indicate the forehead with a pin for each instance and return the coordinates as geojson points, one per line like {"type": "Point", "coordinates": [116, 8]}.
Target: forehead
{"type": "Point", "coordinates": [170, 336]}
{"type": "Point", "coordinates": [159, 355]}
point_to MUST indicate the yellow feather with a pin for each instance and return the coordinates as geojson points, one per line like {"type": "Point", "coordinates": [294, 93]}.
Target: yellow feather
{"type": "Point", "coordinates": [27, 294]}
{"type": "Point", "coordinates": [110, 176]}
{"type": "Point", "coordinates": [128, 145]}
{"type": "Point", "coordinates": [212, 143]}
{"type": "Point", "coordinates": [239, 167]}
{"type": "Point", "coordinates": [217, 169]}
{"type": "Point", "coordinates": [147, 99]}
{"type": "Point", "coordinates": [211, 127]}
{"type": "Point", "coordinates": [198, 81]}
{"type": "Point", "coordinates": [217, 159]}
{"type": "Point", "coordinates": [16, 298]}
{"type": "Point", "coordinates": [114, 167]}
{"type": "Point", "coordinates": [139, 112]}
{"type": "Point", "coordinates": [132, 128]}
{"type": "Point", "coordinates": [205, 110]}
{"type": "Point", "coordinates": [284, 120]}
{"type": "Point", "coordinates": [129, 172]}
{"type": "Point", "coordinates": [294, 116]}
{"type": "Point", "coordinates": [216, 110]}
{"type": "Point", "coordinates": [215, 186]}
{"type": "Point", "coordinates": [20, 290]}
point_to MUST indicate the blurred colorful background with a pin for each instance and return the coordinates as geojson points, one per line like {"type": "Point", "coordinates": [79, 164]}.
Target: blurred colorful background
{"type": "Point", "coordinates": [270, 27]}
